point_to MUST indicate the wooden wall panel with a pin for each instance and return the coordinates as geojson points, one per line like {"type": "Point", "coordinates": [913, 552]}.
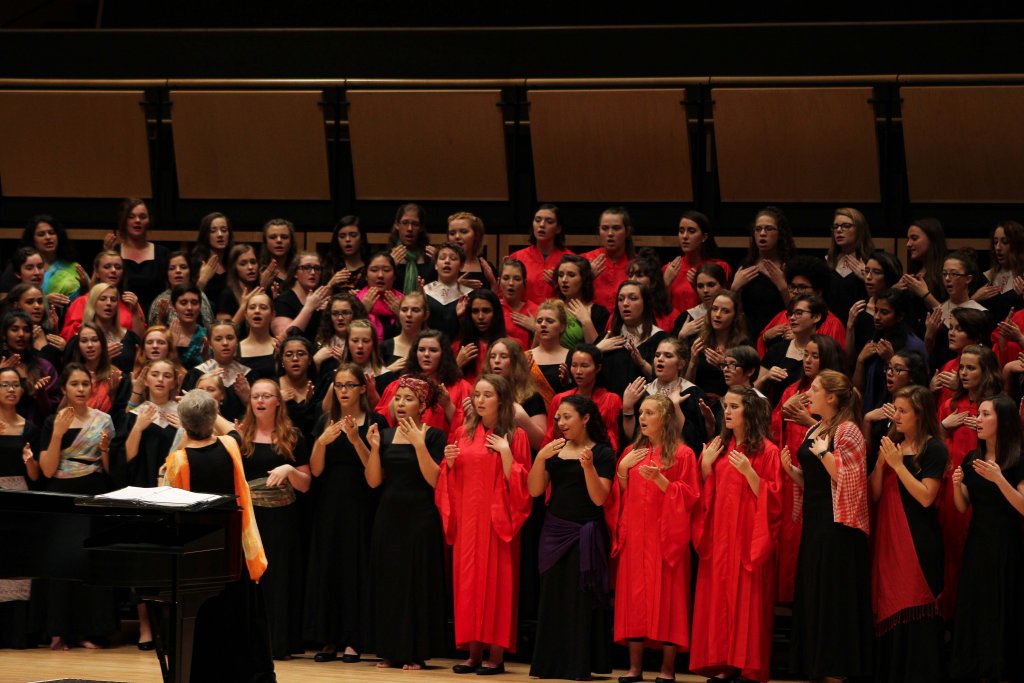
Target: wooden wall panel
{"type": "Point", "coordinates": [250, 145]}
{"type": "Point", "coordinates": [73, 144]}
{"type": "Point", "coordinates": [964, 144]}
{"type": "Point", "coordinates": [610, 146]}
{"type": "Point", "coordinates": [796, 145]}
{"type": "Point", "coordinates": [432, 144]}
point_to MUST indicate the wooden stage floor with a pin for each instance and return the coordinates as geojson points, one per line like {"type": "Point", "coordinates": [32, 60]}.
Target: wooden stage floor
{"type": "Point", "coordinates": [127, 663]}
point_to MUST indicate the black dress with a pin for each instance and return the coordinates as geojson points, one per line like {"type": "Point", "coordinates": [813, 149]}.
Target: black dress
{"type": "Point", "coordinates": [226, 302]}
{"type": "Point", "coordinates": [282, 583]}
{"type": "Point", "coordinates": [146, 279]}
{"type": "Point", "coordinates": [15, 624]}
{"type": "Point", "coordinates": [338, 578]}
{"type": "Point", "coordinates": [761, 302]}
{"type": "Point", "coordinates": [232, 638]}
{"type": "Point", "coordinates": [844, 292]}
{"type": "Point", "coordinates": [912, 651]}
{"type": "Point", "coordinates": [260, 367]}
{"type": "Point", "coordinates": [287, 305]}
{"type": "Point", "coordinates": [832, 629]}
{"type": "Point", "coordinates": [574, 627]}
{"type": "Point", "coordinates": [214, 286]}
{"type": "Point", "coordinates": [775, 356]}
{"type": "Point", "coordinates": [154, 447]}
{"type": "Point", "coordinates": [407, 557]}
{"type": "Point", "coordinates": [618, 369]}
{"type": "Point", "coordinates": [988, 631]}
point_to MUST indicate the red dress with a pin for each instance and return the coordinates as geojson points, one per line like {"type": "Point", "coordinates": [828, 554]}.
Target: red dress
{"type": "Point", "coordinates": [959, 442]}
{"type": "Point", "coordinates": [652, 543]}
{"type": "Point", "coordinates": [537, 290]}
{"type": "Point", "coordinates": [830, 327]}
{"type": "Point", "coordinates": [435, 416]}
{"type": "Point", "coordinates": [682, 293]}
{"type": "Point", "coordinates": [520, 334]}
{"type": "Point", "coordinates": [606, 285]}
{"type": "Point", "coordinates": [609, 406]}
{"type": "Point", "coordinates": [735, 534]}
{"type": "Point", "coordinates": [482, 512]}
{"type": "Point", "coordinates": [788, 434]}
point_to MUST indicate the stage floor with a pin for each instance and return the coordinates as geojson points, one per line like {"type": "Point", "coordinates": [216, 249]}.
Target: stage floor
{"type": "Point", "coordinates": [128, 664]}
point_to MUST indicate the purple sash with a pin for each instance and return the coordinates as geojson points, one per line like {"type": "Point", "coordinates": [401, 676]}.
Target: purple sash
{"type": "Point", "coordinates": [558, 536]}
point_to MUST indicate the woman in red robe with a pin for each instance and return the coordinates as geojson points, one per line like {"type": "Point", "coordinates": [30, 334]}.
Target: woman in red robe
{"type": "Point", "coordinates": [484, 500]}
{"type": "Point", "coordinates": [735, 530]}
{"type": "Point", "coordinates": [978, 377]}
{"type": "Point", "coordinates": [585, 368]}
{"type": "Point", "coordinates": [659, 485]}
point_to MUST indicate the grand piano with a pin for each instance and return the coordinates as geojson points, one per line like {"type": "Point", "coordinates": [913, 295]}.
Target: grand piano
{"type": "Point", "coordinates": [175, 558]}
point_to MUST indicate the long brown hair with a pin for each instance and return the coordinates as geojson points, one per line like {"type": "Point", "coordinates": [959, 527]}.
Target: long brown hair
{"type": "Point", "coordinates": [991, 377]}
{"type": "Point", "coordinates": [738, 328]}
{"type": "Point", "coordinates": [923, 404]}
{"type": "Point", "coordinates": [519, 369]}
{"type": "Point", "coordinates": [505, 424]}
{"type": "Point", "coordinates": [671, 429]}
{"type": "Point", "coordinates": [283, 438]}
{"type": "Point", "coordinates": [757, 420]}
{"type": "Point", "coordinates": [848, 401]}
{"type": "Point", "coordinates": [865, 245]}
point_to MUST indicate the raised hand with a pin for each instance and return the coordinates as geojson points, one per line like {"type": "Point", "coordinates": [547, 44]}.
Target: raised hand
{"type": "Point", "coordinates": [83, 277]}
{"type": "Point", "coordinates": [279, 475]}
{"type": "Point", "coordinates": [269, 274]}
{"type": "Point", "coordinates": [41, 383]}
{"type": "Point", "coordinates": [391, 301]}
{"type": "Point", "coordinates": [712, 451]}
{"type": "Point", "coordinates": [587, 457]}
{"type": "Point", "coordinates": [692, 327]}
{"type": "Point", "coordinates": [820, 445]}
{"type": "Point", "coordinates": [527, 322]}
{"type": "Point", "coordinates": [370, 297]}
{"type": "Point", "coordinates": [634, 392]}
{"type": "Point", "coordinates": [467, 353]}
{"type": "Point", "coordinates": [743, 277]}
{"type": "Point", "coordinates": [551, 449]}
{"type": "Point", "coordinates": [451, 454]}
{"type": "Point", "coordinates": [242, 388]}
{"type": "Point", "coordinates": [499, 444]}
{"type": "Point", "coordinates": [373, 436]}
{"type": "Point", "coordinates": [579, 310]}
{"type": "Point", "coordinates": [416, 435]}
{"type": "Point", "coordinates": [598, 265]}
{"type": "Point", "coordinates": [958, 476]}
{"type": "Point", "coordinates": [611, 343]}
{"type": "Point", "coordinates": [632, 459]}
{"type": "Point", "coordinates": [988, 470]}
{"type": "Point", "coordinates": [147, 413]}
{"type": "Point", "coordinates": [57, 299]}
{"type": "Point", "coordinates": [131, 301]}
{"type": "Point", "coordinates": [62, 421]}
{"type": "Point", "coordinates": [740, 462]}
{"type": "Point", "coordinates": [855, 310]}
{"type": "Point", "coordinates": [890, 454]}
{"type": "Point", "coordinates": [786, 458]}
{"type": "Point", "coordinates": [399, 253]}
{"type": "Point", "coordinates": [110, 241]}
{"type": "Point", "coordinates": [332, 431]}
{"type": "Point", "coordinates": [986, 292]}
{"type": "Point", "coordinates": [672, 270]}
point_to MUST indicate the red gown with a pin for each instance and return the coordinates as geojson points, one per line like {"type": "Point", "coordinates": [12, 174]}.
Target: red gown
{"type": "Point", "coordinates": [652, 543]}
{"type": "Point", "coordinates": [683, 295]}
{"type": "Point", "coordinates": [482, 512]}
{"type": "Point", "coordinates": [609, 406]}
{"type": "Point", "coordinates": [831, 326]}
{"type": "Point", "coordinates": [735, 534]}
{"type": "Point", "coordinates": [959, 442]}
{"type": "Point", "coordinates": [520, 334]}
{"type": "Point", "coordinates": [537, 290]}
{"type": "Point", "coordinates": [435, 416]}
{"type": "Point", "coordinates": [606, 285]}
{"type": "Point", "coordinates": [788, 434]}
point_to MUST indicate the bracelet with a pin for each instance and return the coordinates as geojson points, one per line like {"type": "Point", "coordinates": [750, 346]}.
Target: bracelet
{"type": "Point", "coordinates": [132, 405]}
{"type": "Point", "coordinates": [623, 477]}
{"type": "Point", "coordinates": [628, 414]}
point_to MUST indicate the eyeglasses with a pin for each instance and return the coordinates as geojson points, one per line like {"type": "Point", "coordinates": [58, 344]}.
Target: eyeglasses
{"type": "Point", "coordinates": [730, 365]}
{"type": "Point", "coordinates": [346, 386]}
{"type": "Point", "coordinates": [765, 228]}
{"type": "Point", "coordinates": [262, 397]}
{"type": "Point", "coordinates": [311, 266]}
{"type": "Point", "coordinates": [799, 289]}
{"type": "Point", "coordinates": [342, 314]}
{"type": "Point", "coordinates": [893, 370]}
{"type": "Point", "coordinates": [5, 386]}
{"type": "Point", "coordinates": [842, 227]}
{"type": "Point", "coordinates": [952, 274]}
{"type": "Point", "coordinates": [406, 223]}
{"type": "Point", "coordinates": [797, 312]}
{"type": "Point", "coordinates": [295, 354]}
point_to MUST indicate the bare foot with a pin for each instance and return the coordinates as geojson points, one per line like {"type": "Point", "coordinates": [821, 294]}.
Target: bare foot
{"type": "Point", "coordinates": [385, 664]}
{"type": "Point", "coordinates": [56, 643]}
{"type": "Point", "coordinates": [350, 651]}
{"type": "Point", "coordinates": [414, 666]}
{"type": "Point", "coordinates": [88, 644]}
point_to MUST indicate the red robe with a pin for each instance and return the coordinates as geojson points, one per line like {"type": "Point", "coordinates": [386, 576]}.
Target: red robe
{"type": "Point", "coordinates": [434, 416]}
{"type": "Point", "coordinates": [609, 406]}
{"type": "Point", "coordinates": [735, 534]}
{"type": "Point", "coordinates": [788, 434]}
{"type": "Point", "coordinates": [830, 327]}
{"type": "Point", "coordinates": [482, 512]}
{"type": "Point", "coordinates": [520, 334]}
{"type": "Point", "coordinates": [476, 367]}
{"type": "Point", "coordinates": [943, 395]}
{"type": "Point", "coordinates": [606, 285]}
{"type": "Point", "coordinates": [73, 317]}
{"type": "Point", "coordinates": [959, 442]}
{"type": "Point", "coordinates": [1011, 350]}
{"type": "Point", "coordinates": [652, 543]}
{"type": "Point", "coordinates": [537, 290]}
{"type": "Point", "coordinates": [683, 295]}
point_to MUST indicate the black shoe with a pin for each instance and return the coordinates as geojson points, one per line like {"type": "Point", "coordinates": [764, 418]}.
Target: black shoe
{"type": "Point", "coordinates": [325, 656]}
{"type": "Point", "coordinates": [491, 670]}
{"type": "Point", "coordinates": [147, 645]}
{"type": "Point", "coordinates": [659, 679]}
{"type": "Point", "coordinates": [631, 679]}
{"type": "Point", "coordinates": [351, 658]}
{"type": "Point", "coordinates": [465, 668]}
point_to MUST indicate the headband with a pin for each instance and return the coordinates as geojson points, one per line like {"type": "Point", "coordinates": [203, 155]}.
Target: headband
{"type": "Point", "coordinates": [421, 388]}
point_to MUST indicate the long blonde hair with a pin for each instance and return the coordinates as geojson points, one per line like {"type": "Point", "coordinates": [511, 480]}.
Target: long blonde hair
{"type": "Point", "coordinates": [89, 312]}
{"type": "Point", "coordinates": [848, 401]}
{"type": "Point", "coordinates": [518, 371]}
{"type": "Point", "coordinates": [283, 438]}
{"type": "Point", "coordinates": [671, 429]}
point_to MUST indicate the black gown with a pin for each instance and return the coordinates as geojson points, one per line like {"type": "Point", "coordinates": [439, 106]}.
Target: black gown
{"type": "Point", "coordinates": [154, 447]}
{"type": "Point", "coordinates": [407, 557]}
{"type": "Point", "coordinates": [282, 583]}
{"type": "Point", "coordinates": [338, 576]}
{"type": "Point", "coordinates": [775, 356]}
{"type": "Point", "coordinates": [15, 624]}
{"type": "Point", "coordinates": [843, 293]}
{"type": "Point", "coordinates": [574, 628]}
{"type": "Point", "coordinates": [618, 369]}
{"type": "Point", "coordinates": [260, 367]}
{"type": "Point", "coordinates": [761, 302]}
{"type": "Point", "coordinates": [832, 629]}
{"type": "Point", "coordinates": [287, 305]}
{"type": "Point", "coordinates": [146, 279]}
{"type": "Point", "coordinates": [912, 651]}
{"type": "Point", "coordinates": [988, 630]}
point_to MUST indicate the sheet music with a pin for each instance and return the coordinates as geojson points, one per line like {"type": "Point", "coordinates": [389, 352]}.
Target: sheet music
{"type": "Point", "coordinates": [159, 495]}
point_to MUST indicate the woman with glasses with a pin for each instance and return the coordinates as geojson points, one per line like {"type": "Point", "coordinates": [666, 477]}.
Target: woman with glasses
{"type": "Point", "coordinates": [847, 258]}
{"type": "Point", "coordinates": [300, 303]}
{"type": "Point", "coordinates": [295, 378]}
{"type": "Point", "coordinates": [905, 368]}
{"type": "Point", "coordinates": [892, 334]}
{"type": "Point", "coordinates": [978, 377]}
{"type": "Point", "coordinates": [987, 633]}
{"type": "Point", "coordinates": [276, 464]}
{"type": "Point", "coordinates": [959, 274]}
{"type": "Point", "coordinates": [781, 364]}
{"type": "Point", "coordinates": [804, 275]}
{"type": "Point", "coordinates": [409, 243]}
{"type": "Point", "coordinates": [761, 280]}
{"type": "Point", "coordinates": [881, 272]}
{"type": "Point", "coordinates": [338, 578]}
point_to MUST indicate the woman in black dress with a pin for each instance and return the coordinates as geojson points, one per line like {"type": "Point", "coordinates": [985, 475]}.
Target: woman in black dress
{"type": "Point", "coordinates": [988, 632]}
{"type": "Point", "coordinates": [276, 464]}
{"type": "Point", "coordinates": [407, 545]}
{"type": "Point", "coordinates": [832, 628]}
{"type": "Point", "coordinates": [147, 433]}
{"type": "Point", "coordinates": [338, 578]}
{"type": "Point", "coordinates": [574, 625]}
{"type": "Point", "coordinates": [907, 563]}
{"type": "Point", "coordinates": [145, 262]}
{"type": "Point", "coordinates": [256, 350]}
{"type": "Point", "coordinates": [760, 280]}
{"type": "Point", "coordinates": [303, 297]}
{"type": "Point", "coordinates": [213, 244]}
{"type": "Point", "coordinates": [549, 359]}
{"type": "Point", "coordinates": [847, 258]}
{"type": "Point", "coordinates": [347, 256]}
{"type": "Point", "coordinates": [632, 338]}
{"type": "Point", "coordinates": [783, 360]}
{"type": "Point", "coordinates": [75, 459]}
{"type": "Point", "coordinates": [295, 377]}
{"type": "Point", "coordinates": [243, 276]}
{"type": "Point", "coordinates": [726, 329]}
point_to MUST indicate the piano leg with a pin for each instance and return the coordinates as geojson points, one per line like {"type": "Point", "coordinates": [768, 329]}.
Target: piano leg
{"type": "Point", "coordinates": [174, 631]}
